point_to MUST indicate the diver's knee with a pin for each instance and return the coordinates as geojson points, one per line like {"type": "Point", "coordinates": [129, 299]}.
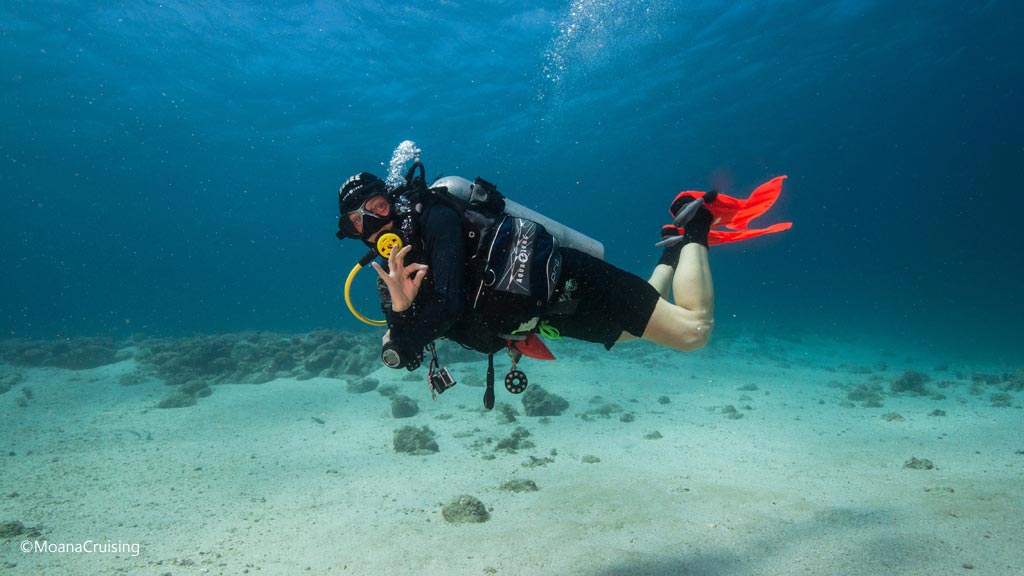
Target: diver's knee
{"type": "Point", "coordinates": [679, 329]}
{"type": "Point", "coordinates": [695, 337]}
{"type": "Point", "coordinates": [702, 333]}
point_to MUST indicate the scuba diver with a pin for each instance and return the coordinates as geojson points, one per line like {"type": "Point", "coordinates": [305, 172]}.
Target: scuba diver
{"type": "Point", "coordinates": [466, 264]}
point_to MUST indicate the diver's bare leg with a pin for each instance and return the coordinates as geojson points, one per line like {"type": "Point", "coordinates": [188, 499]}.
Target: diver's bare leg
{"type": "Point", "coordinates": [692, 283]}
{"type": "Point", "coordinates": [661, 279]}
{"type": "Point", "coordinates": [685, 325]}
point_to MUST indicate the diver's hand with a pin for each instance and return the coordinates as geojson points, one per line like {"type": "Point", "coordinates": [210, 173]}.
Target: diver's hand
{"type": "Point", "coordinates": [403, 281]}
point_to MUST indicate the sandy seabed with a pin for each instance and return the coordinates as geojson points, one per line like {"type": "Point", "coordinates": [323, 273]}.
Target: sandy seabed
{"type": "Point", "coordinates": [747, 458]}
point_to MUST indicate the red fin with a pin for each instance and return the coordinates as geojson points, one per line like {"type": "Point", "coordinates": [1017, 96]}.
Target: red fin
{"type": "Point", "coordinates": [532, 347]}
{"type": "Point", "coordinates": [725, 236]}
{"type": "Point", "coordinates": [736, 213]}
{"type": "Point", "coordinates": [759, 201]}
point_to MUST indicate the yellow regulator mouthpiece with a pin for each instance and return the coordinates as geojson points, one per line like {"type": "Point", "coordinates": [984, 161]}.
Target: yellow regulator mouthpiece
{"type": "Point", "coordinates": [388, 243]}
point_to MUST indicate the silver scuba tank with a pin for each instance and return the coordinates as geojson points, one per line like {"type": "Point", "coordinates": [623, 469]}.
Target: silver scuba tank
{"type": "Point", "coordinates": [567, 237]}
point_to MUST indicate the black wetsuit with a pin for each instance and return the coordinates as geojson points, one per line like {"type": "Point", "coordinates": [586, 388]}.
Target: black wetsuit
{"type": "Point", "coordinates": [608, 300]}
{"type": "Point", "coordinates": [442, 296]}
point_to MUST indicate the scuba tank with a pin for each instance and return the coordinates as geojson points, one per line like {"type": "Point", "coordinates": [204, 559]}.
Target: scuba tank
{"type": "Point", "coordinates": [567, 237]}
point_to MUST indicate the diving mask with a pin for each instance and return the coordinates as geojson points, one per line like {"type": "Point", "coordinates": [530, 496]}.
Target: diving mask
{"type": "Point", "coordinates": [367, 219]}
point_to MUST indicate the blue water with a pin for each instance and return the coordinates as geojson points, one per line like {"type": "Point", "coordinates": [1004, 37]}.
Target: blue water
{"type": "Point", "coordinates": [169, 169]}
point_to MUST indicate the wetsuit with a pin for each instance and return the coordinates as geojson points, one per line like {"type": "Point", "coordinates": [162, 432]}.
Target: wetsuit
{"type": "Point", "coordinates": [607, 300]}
{"type": "Point", "coordinates": [442, 297]}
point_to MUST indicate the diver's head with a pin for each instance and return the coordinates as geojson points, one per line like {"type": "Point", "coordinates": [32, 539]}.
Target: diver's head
{"type": "Point", "coordinates": [365, 207]}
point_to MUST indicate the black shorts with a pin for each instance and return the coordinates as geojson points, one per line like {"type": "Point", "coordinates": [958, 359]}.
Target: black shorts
{"type": "Point", "coordinates": [609, 301]}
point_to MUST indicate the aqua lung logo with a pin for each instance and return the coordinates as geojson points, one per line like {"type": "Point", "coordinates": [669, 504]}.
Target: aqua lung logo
{"type": "Point", "coordinates": [516, 278]}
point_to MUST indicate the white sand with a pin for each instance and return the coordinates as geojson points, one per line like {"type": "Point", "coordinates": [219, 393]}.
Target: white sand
{"type": "Point", "coordinates": [248, 482]}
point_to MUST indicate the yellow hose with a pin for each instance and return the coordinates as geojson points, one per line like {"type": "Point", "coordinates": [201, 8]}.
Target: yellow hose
{"type": "Point", "coordinates": [348, 299]}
